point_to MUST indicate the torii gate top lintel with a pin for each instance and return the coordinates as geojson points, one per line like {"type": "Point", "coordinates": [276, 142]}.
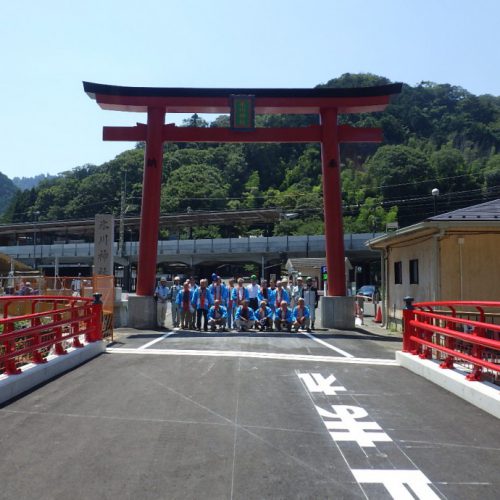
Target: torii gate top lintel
{"type": "Point", "coordinates": [267, 100]}
{"type": "Point", "coordinates": [328, 103]}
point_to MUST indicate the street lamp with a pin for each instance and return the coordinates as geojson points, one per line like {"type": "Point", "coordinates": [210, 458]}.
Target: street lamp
{"type": "Point", "coordinates": [189, 211]}
{"type": "Point", "coordinates": [35, 219]}
{"type": "Point", "coordinates": [435, 194]}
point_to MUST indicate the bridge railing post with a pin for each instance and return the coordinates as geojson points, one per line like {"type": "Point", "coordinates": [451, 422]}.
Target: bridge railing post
{"type": "Point", "coordinates": [96, 325]}
{"type": "Point", "coordinates": [408, 330]}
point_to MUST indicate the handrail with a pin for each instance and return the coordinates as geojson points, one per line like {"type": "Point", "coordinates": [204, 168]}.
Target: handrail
{"type": "Point", "coordinates": [430, 334]}
{"type": "Point", "coordinates": [29, 338]}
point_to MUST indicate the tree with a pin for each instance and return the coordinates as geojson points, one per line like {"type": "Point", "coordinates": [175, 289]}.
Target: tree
{"type": "Point", "coordinates": [199, 187]}
{"type": "Point", "coordinates": [398, 172]}
{"type": "Point", "coordinates": [371, 217]}
{"type": "Point", "coordinates": [450, 170]}
{"type": "Point", "coordinates": [194, 121]}
{"type": "Point", "coordinates": [7, 191]}
{"type": "Point", "coordinates": [492, 172]}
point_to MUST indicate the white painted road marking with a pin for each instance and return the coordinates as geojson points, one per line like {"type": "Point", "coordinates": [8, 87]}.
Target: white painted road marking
{"type": "Point", "coordinates": [344, 426]}
{"type": "Point", "coordinates": [395, 481]}
{"type": "Point", "coordinates": [259, 355]}
{"type": "Point", "coordinates": [155, 341]}
{"type": "Point", "coordinates": [329, 346]}
{"type": "Point", "coordinates": [401, 484]}
{"type": "Point", "coordinates": [315, 382]}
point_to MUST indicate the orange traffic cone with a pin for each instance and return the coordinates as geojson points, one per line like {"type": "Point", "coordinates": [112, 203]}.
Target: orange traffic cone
{"type": "Point", "coordinates": [378, 316]}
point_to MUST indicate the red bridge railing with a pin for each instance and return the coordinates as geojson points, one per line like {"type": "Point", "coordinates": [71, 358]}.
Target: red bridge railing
{"type": "Point", "coordinates": [34, 327]}
{"type": "Point", "coordinates": [455, 332]}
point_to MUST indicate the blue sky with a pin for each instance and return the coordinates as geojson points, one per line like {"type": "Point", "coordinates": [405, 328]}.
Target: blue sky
{"type": "Point", "coordinates": [48, 124]}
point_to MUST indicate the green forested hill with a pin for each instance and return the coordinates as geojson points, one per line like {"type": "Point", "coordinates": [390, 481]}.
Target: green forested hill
{"type": "Point", "coordinates": [7, 192]}
{"type": "Point", "coordinates": [436, 135]}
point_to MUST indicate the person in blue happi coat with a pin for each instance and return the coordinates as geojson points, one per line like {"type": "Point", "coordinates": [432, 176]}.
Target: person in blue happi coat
{"type": "Point", "coordinates": [239, 293]}
{"type": "Point", "coordinates": [202, 300]}
{"type": "Point", "coordinates": [217, 316]}
{"type": "Point", "coordinates": [267, 294]}
{"type": "Point", "coordinates": [280, 295]}
{"type": "Point", "coordinates": [244, 318]}
{"type": "Point", "coordinates": [301, 316]}
{"type": "Point", "coordinates": [264, 317]}
{"type": "Point", "coordinates": [186, 308]}
{"type": "Point", "coordinates": [219, 291]}
{"type": "Point", "coordinates": [283, 317]}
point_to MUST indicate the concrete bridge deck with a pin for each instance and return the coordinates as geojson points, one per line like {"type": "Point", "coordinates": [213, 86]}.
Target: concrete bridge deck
{"type": "Point", "coordinates": [171, 415]}
{"type": "Point", "coordinates": [196, 251]}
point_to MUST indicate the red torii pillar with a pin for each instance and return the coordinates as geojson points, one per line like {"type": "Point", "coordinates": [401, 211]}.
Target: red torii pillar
{"type": "Point", "coordinates": [332, 201]}
{"type": "Point", "coordinates": [151, 196]}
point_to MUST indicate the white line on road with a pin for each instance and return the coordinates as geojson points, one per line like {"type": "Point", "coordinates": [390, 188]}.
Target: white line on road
{"type": "Point", "coordinates": [258, 355]}
{"type": "Point", "coordinates": [329, 346]}
{"type": "Point", "coordinates": [159, 339]}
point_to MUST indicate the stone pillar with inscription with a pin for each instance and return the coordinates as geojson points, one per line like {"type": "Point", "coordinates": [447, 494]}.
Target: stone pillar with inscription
{"type": "Point", "coordinates": [104, 233]}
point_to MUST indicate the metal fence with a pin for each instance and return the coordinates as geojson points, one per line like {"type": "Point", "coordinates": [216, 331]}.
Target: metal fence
{"type": "Point", "coordinates": [33, 328]}
{"type": "Point", "coordinates": [464, 333]}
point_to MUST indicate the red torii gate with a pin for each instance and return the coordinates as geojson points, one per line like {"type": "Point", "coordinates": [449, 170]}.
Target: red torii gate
{"type": "Point", "coordinates": [156, 102]}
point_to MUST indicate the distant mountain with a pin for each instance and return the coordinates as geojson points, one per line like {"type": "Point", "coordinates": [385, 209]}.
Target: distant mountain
{"type": "Point", "coordinates": [24, 183]}
{"type": "Point", "coordinates": [7, 192]}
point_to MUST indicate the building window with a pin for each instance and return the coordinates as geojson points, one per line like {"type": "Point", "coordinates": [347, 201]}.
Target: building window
{"type": "Point", "coordinates": [413, 271]}
{"type": "Point", "coordinates": [398, 273]}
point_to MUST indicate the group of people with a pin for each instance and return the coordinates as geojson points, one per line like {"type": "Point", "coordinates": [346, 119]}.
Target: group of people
{"type": "Point", "coordinates": [236, 306]}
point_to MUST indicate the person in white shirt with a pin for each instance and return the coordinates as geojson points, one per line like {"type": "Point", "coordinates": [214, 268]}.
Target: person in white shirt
{"type": "Point", "coordinates": [311, 299]}
{"type": "Point", "coordinates": [297, 291]}
{"type": "Point", "coordinates": [253, 293]}
{"type": "Point", "coordinates": [76, 285]}
{"type": "Point", "coordinates": [161, 295]}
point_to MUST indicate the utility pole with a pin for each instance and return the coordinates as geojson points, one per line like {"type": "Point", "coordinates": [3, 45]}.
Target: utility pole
{"type": "Point", "coordinates": [121, 243]}
{"type": "Point", "coordinates": [35, 220]}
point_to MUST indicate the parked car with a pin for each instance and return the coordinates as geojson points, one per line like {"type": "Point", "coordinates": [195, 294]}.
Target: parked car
{"type": "Point", "coordinates": [368, 291]}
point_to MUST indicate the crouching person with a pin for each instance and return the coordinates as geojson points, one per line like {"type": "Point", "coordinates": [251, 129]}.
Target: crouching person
{"type": "Point", "coordinates": [244, 318]}
{"type": "Point", "coordinates": [283, 318]}
{"type": "Point", "coordinates": [217, 317]}
{"type": "Point", "coordinates": [264, 317]}
{"type": "Point", "coordinates": [301, 316]}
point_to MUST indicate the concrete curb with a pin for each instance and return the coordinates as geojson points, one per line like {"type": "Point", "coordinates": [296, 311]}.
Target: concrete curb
{"type": "Point", "coordinates": [481, 394]}
{"type": "Point", "coordinates": [33, 375]}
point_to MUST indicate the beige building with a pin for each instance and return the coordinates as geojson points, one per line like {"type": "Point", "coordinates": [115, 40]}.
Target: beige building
{"type": "Point", "coordinates": [452, 256]}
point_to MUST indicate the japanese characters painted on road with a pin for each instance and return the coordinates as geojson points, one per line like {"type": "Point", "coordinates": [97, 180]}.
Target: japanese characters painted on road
{"type": "Point", "coordinates": [352, 424]}
{"type": "Point", "coordinates": [315, 382]}
{"type": "Point", "coordinates": [103, 244]}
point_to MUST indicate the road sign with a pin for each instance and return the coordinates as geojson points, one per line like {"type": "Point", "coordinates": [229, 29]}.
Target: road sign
{"type": "Point", "coordinates": [324, 273]}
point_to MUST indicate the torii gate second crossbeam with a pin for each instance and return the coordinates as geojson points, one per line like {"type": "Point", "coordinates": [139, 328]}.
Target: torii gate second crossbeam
{"type": "Point", "coordinates": [328, 103]}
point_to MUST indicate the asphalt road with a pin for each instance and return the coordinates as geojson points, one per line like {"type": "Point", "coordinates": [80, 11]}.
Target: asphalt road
{"type": "Point", "coordinates": [166, 415]}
